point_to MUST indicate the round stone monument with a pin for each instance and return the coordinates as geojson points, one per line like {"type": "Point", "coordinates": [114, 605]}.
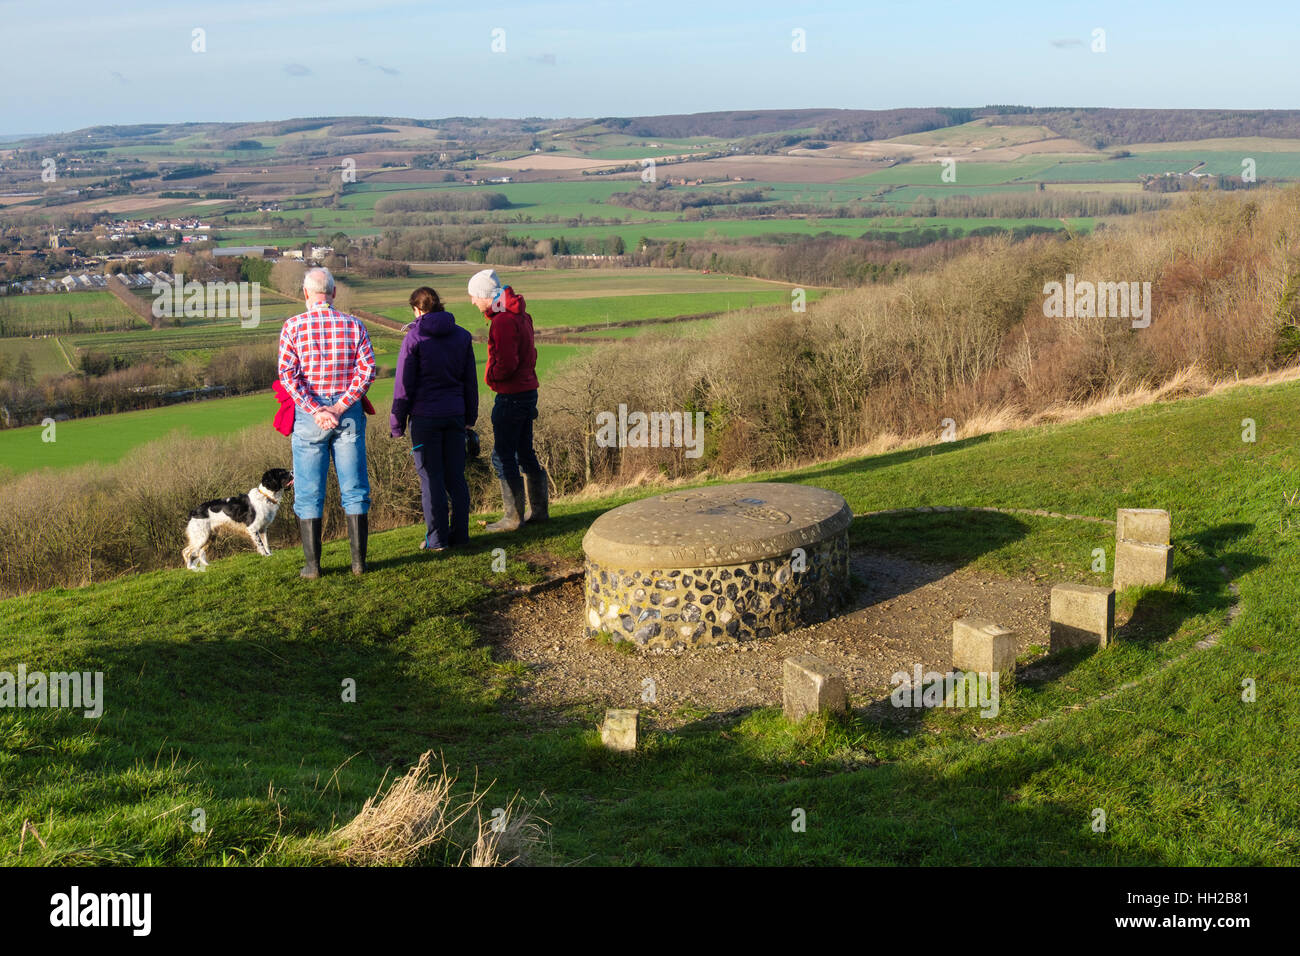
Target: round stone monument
{"type": "Point", "coordinates": [717, 565]}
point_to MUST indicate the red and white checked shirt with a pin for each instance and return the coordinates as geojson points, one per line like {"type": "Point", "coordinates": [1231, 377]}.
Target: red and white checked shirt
{"type": "Point", "coordinates": [324, 352]}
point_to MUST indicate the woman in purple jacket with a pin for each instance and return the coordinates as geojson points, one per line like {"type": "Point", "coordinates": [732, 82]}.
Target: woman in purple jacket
{"type": "Point", "coordinates": [437, 390]}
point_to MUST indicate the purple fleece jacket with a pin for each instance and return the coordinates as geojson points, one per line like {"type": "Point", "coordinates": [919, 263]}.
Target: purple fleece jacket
{"type": "Point", "coordinates": [436, 376]}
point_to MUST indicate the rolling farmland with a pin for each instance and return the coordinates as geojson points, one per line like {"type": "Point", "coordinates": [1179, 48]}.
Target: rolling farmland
{"type": "Point", "coordinates": [804, 192]}
{"type": "Point", "coordinates": [557, 298]}
{"type": "Point", "coordinates": [108, 438]}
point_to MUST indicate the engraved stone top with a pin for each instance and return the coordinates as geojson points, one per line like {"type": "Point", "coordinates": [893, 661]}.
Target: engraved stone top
{"type": "Point", "coordinates": [707, 527]}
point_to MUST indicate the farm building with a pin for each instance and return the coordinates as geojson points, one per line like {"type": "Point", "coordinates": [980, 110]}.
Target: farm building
{"type": "Point", "coordinates": [260, 252]}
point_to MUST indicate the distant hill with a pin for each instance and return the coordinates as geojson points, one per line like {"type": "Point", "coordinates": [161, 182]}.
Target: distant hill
{"type": "Point", "coordinates": [829, 123]}
{"type": "Point", "coordinates": [1096, 127]}
{"type": "Point", "coordinates": [1101, 128]}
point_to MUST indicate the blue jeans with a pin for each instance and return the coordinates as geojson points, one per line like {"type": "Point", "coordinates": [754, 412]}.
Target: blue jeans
{"type": "Point", "coordinates": [312, 450]}
{"type": "Point", "coordinates": [438, 447]}
{"type": "Point", "coordinates": [512, 436]}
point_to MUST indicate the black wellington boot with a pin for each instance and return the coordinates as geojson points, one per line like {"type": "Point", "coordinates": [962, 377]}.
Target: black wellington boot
{"type": "Point", "coordinates": [358, 531]}
{"type": "Point", "coordinates": [310, 529]}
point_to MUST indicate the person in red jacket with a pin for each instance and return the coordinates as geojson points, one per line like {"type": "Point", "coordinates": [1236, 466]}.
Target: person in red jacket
{"type": "Point", "coordinates": [512, 374]}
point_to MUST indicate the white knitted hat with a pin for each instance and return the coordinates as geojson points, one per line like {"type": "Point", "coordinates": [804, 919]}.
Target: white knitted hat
{"type": "Point", "coordinates": [483, 285]}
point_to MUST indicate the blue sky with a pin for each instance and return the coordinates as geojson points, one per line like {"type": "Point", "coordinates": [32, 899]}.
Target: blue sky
{"type": "Point", "coordinates": [76, 64]}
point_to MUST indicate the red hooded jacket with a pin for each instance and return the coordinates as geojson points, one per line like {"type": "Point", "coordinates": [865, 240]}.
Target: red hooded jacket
{"type": "Point", "coordinates": [512, 356]}
{"type": "Point", "coordinates": [283, 421]}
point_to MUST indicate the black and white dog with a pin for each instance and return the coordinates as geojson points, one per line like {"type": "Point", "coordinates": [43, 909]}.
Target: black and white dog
{"type": "Point", "coordinates": [254, 512]}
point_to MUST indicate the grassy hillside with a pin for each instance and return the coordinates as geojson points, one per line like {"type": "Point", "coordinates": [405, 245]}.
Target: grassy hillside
{"type": "Point", "coordinates": [223, 690]}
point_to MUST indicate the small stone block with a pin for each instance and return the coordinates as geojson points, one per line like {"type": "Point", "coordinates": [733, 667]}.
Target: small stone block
{"type": "Point", "coordinates": [1138, 564]}
{"type": "Point", "coordinates": [1082, 615]}
{"type": "Point", "coordinates": [811, 686]}
{"type": "Point", "coordinates": [982, 646]}
{"type": "Point", "coordinates": [1148, 525]}
{"type": "Point", "coordinates": [619, 730]}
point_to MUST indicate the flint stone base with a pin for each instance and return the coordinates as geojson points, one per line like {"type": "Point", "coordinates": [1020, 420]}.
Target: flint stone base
{"type": "Point", "coordinates": [755, 559]}
{"type": "Point", "coordinates": [701, 607]}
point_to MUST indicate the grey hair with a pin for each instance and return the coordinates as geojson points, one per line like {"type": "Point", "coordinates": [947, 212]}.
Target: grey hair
{"type": "Point", "coordinates": [318, 280]}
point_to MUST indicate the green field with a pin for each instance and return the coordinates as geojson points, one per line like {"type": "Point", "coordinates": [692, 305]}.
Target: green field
{"type": "Point", "coordinates": [551, 285]}
{"type": "Point", "coordinates": [272, 307]}
{"type": "Point", "coordinates": [44, 354]}
{"type": "Point", "coordinates": [64, 312]}
{"type": "Point", "coordinates": [222, 689]}
{"type": "Point", "coordinates": [177, 343]}
{"type": "Point", "coordinates": [563, 205]}
{"type": "Point", "coordinates": [553, 313]}
{"type": "Point", "coordinates": [1116, 170]}
{"type": "Point", "coordinates": [562, 200]}
{"type": "Point", "coordinates": [1268, 165]}
{"type": "Point", "coordinates": [969, 173]}
{"type": "Point", "coordinates": [743, 228]}
{"type": "Point", "coordinates": [110, 437]}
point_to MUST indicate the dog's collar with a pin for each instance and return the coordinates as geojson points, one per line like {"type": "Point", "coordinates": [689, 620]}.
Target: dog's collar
{"type": "Point", "coordinates": [271, 498]}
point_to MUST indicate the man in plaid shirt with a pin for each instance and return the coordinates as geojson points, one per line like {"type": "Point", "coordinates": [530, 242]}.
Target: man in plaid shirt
{"type": "Point", "coordinates": [326, 366]}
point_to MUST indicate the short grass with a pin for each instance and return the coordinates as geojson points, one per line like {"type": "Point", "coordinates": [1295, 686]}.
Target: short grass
{"type": "Point", "coordinates": [223, 690]}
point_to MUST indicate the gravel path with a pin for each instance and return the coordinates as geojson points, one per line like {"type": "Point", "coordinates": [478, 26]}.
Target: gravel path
{"type": "Point", "coordinates": [901, 618]}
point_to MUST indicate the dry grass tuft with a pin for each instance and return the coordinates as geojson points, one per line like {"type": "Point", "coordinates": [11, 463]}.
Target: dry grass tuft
{"type": "Point", "coordinates": [422, 819]}
{"type": "Point", "coordinates": [512, 835]}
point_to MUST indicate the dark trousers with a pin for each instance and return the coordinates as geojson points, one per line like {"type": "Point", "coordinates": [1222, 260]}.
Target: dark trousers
{"type": "Point", "coordinates": [512, 436]}
{"type": "Point", "coordinates": [438, 446]}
